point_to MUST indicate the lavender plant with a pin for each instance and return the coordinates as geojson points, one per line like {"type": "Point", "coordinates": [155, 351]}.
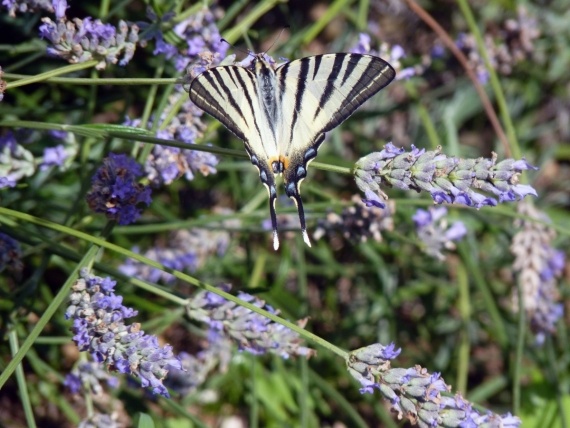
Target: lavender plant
{"type": "Point", "coordinates": [99, 328]}
{"type": "Point", "coordinates": [94, 113]}
{"type": "Point", "coordinates": [415, 394]}
{"type": "Point", "coordinates": [539, 267]}
{"type": "Point", "coordinates": [447, 179]}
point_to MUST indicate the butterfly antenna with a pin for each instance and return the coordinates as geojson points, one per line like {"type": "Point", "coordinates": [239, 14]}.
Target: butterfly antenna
{"type": "Point", "coordinates": [247, 52]}
{"type": "Point", "coordinates": [277, 38]}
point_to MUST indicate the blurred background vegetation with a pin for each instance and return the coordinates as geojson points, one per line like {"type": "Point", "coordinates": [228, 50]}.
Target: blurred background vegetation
{"type": "Point", "coordinates": [455, 316]}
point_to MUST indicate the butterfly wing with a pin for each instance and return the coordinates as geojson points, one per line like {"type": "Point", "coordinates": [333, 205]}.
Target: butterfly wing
{"type": "Point", "coordinates": [231, 95]}
{"type": "Point", "coordinates": [316, 95]}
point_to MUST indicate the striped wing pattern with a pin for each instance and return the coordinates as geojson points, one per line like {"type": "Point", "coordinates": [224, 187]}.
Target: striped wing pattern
{"type": "Point", "coordinates": [283, 114]}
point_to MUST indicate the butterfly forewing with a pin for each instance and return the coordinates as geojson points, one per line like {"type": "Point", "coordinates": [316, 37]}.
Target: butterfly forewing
{"type": "Point", "coordinates": [282, 115]}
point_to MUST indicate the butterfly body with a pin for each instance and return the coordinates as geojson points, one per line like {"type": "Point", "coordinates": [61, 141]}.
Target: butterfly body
{"type": "Point", "coordinates": [282, 114]}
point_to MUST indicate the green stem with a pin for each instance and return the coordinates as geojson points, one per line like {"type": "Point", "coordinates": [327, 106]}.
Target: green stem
{"type": "Point", "coordinates": [495, 83]}
{"type": "Point", "coordinates": [245, 24]}
{"type": "Point", "coordinates": [465, 313]}
{"type": "Point", "coordinates": [61, 296]}
{"type": "Point", "coordinates": [48, 74]}
{"type": "Point", "coordinates": [137, 134]}
{"type": "Point", "coordinates": [362, 19]}
{"type": "Point", "coordinates": [331, 12]}
{"type": "Point", "coordinates": [521, 330]}
{"type": "Point", "coordinates": [87, 81]}
{"type": "Point", "coordinates": [21, 379]}
{"type": "Point", "coordinates": [189, 279]}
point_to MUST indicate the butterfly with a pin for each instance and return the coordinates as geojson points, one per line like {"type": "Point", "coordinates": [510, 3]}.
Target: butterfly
{"type": "Point", "coordinates": [281, 114]}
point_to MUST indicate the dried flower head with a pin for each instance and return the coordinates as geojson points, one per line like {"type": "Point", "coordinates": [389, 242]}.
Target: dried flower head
{"type": "Point", "coordinates": [506, 45]}
{"type": "Point", "coordinates": [357, 222]}
{"type": "Point", "coordinates": [539, 267]}
{"type": "Point", "coordinates": [253, 333]}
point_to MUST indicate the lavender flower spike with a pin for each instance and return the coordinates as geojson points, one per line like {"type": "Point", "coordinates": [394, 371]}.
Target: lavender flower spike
{"type": "Point", "coordinates": [81, 40]}
{"type": "Point", "coordinates": [99, 327]}
{"type": "Point", "coordinates": [447, 179]}
{"type": "Point", "coordinates": [539, 267]}
{"type": "Point", "coordinates": [416, 394]}
{"type": "Point", "coordinates": [252, 332]}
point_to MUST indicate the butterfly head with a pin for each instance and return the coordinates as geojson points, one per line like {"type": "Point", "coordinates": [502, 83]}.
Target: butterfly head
{"type": "Point", "coordinates": [262, 61]}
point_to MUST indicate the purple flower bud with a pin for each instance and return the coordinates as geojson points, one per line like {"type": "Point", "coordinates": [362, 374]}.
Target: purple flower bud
{"type": "Point", "coordinates": [59, 6]}
{"type": "Point", "coordinates": [53, 156]}
{"type": "Point", "coordinates": [434, 233]}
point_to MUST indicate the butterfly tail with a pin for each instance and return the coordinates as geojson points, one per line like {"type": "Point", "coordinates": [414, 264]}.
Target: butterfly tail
{"type": "Point", "coordinates": [293, 193]}
{"type": "Point", "coordinates": [272, 199]}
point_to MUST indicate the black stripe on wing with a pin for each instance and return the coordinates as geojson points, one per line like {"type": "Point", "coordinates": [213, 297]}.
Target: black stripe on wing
{"type": "Point", "coordinates": [375, 76]}
{"type": "Point", "coordinates": [300, 90]}
{"type": "Point", "coordinates": [331, 80]}
{"type": "Point", "coordinates": [215, 91]}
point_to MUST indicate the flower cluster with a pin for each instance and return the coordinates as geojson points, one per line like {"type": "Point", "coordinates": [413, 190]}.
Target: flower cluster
{"type": "Point", "coordinates": [539, 267]}
{"type": "Point", "coordinates": [87, 376]}
{"type": "Point", "coordinates": [165, 163]}
{"type": "Point", "coordinates": [508, 45]}
{"type": "Point", "coordinates": [10, 254]}
{"type": "Point", "coordinates": [23, 6]}
{"type": "Point", "coordinates": [115, 190]}
{"type": "Point", "coordinates": [198, 31]}
{"type": "Point", "coordinates": [435, 233]}
{"type": "Point", "coordinates": [253, 333]}
{"type": "Point", "coordinates": [392, 54]}
{"type": "Point", "coordinates": [416, 394]}
{"type": "Point", "coordinates": [447, 179]}
{"type": "Point", "coordinates": [15, 161]}
{"type": "Point", "coordinates": [357, 223]}
{"type": "Point", "coordinates": [184, 250]}
{"type": "Point", "coordinates": [81, 40]}
{"type": "Point", "coordinates": [99, 328]}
